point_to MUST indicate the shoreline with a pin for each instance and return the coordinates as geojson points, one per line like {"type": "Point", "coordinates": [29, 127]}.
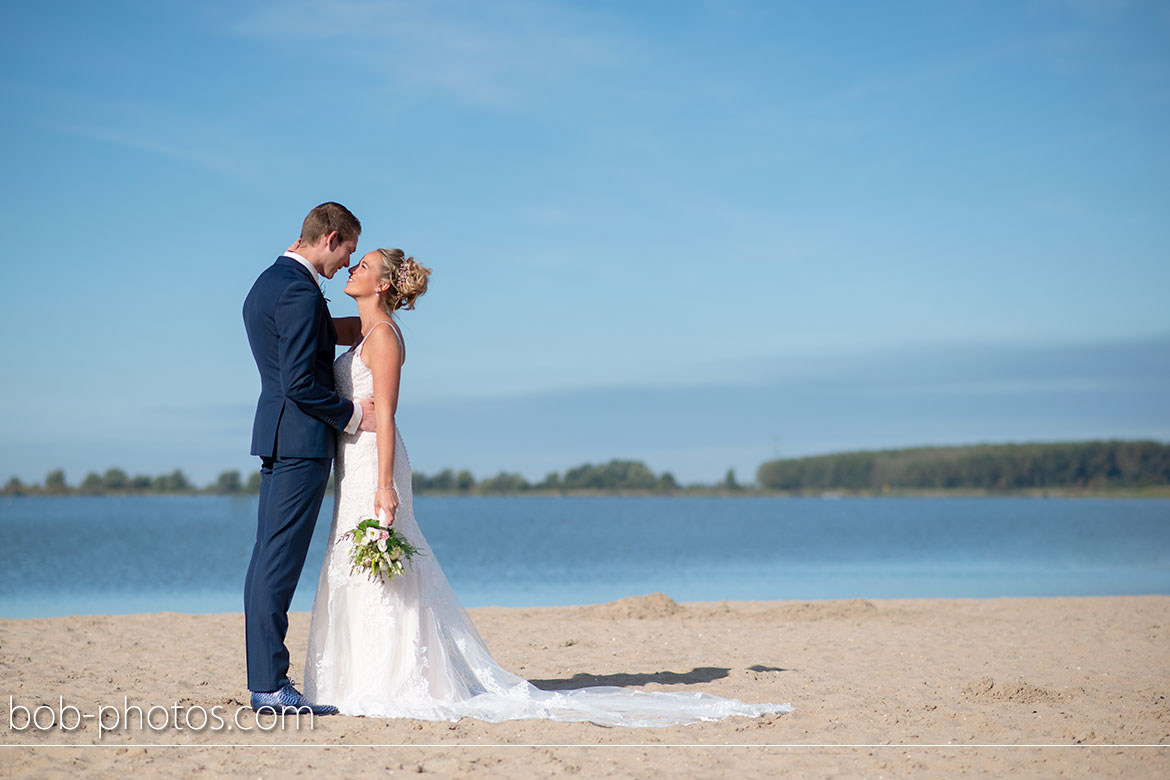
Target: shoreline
{"type": "Point", "coordinates": [1152, 492]}
{"type": "Point", "coordinates": [1089, 670]}
{"type": "Point", "coordinates": [597, 607]}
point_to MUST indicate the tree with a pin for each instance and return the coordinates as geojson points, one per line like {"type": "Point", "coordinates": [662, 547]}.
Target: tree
{"type": "Point", "coordinates": [729, 481]}
{"type": "Point", "coordinates": [228, 482]}
{"type": "Point", "coordinates": [1092, 464]}
{"type": "Point", "coordinates": [443, 482]}
{"type": "Point", "coordinates": [141, 482]}
{"type": "Point", "coordinates": [114, 479]}
{"type": "Point", "coordinates": [92, 483]}
{"type": "Point", "coordinates": [504, 483]}
{"type": "Point", "coordinates": [175, 482]}
{"type": "Point", "coordinates": [55, 482]}
{"type": "Point", "coordinates": [666, 483]}
{"type": "Point", "coordinates": [551, 481]}
{"type": "Point", "coordinates": [14, 487]}
{"type": "Point", "coordinates": [179, 481]}
{"type": "Point", "coordinates": [464, 482]}
{"type": "Point", "coordinates": [615, 475]}
{"type": "Point", "coordinates": [253, 485]}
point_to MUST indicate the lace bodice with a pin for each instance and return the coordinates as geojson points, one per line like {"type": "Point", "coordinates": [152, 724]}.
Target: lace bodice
{"type": "Point", "coordinates": [351, 376]}
{"type": "Point", "coordinates": [357, 453]}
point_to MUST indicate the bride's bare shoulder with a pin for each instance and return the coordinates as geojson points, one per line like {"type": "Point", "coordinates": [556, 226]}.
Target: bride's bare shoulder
{"type": "Point", "coordinates": [384, 346]}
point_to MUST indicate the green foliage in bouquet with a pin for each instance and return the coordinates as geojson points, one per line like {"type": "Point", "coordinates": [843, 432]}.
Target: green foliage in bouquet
{"type": "Point", "coordinates": [378, 551]}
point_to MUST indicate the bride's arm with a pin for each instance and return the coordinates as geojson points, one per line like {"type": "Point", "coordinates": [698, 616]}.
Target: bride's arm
{"type": "Point", "coordinates": [381, 354]}
{"type": "Point", "coordinates": [349, 330]}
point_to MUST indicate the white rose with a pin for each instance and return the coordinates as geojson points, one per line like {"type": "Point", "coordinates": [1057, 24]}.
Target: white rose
{"type": "Point", "coordinates": [396, 553]}
{"type": "Point", "coordinates": [371, 534]}
{"type": "Point", "coordinates": [382, 545]}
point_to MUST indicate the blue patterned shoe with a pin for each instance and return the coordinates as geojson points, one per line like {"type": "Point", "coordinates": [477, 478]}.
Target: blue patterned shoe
{"type": "Point", "coordinates": [289, 699]}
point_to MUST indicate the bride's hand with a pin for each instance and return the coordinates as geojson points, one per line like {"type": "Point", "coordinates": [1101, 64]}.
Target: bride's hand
{"type": "Point", "coordinates": [294, 246]}
{"type": "Point", "coordinates": [386, 503]}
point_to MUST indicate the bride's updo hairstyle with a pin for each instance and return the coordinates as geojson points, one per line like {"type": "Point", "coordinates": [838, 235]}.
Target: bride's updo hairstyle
{"type": "Point", "coordinates": [407, 280]}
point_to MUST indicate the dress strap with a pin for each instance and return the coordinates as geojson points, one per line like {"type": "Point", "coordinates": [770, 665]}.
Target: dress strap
{"type": "Point", "coordinates": [397, 335]}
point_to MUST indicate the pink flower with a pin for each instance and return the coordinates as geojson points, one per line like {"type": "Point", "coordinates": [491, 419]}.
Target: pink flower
{"type": "Point", "coordinates": [384, 535]}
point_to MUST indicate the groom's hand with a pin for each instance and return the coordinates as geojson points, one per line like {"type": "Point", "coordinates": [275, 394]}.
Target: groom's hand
{"type": "Point", "coordinates": [369, 419]}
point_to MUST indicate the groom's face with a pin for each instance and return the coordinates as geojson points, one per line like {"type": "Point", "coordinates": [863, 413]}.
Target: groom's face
{"type": "Point", "coordinates": [337, 255]}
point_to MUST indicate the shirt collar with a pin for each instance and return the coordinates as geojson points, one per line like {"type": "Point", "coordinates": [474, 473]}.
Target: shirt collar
{"type": "Point", "coordinates": [306, 264]}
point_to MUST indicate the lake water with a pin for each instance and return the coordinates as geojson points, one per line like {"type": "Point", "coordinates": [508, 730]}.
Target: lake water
{"type": "Point", "coordinates": [74, 555]}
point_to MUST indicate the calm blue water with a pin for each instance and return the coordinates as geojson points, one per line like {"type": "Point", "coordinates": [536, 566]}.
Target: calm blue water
{"type": "Point", "coordinates": [62, 556]}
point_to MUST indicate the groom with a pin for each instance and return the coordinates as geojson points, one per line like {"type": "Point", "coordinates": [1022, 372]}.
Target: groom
{"type": "Point", "coordinates": [297, 419]}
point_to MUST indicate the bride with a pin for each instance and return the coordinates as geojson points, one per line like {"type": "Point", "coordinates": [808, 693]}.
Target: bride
{"type": "Point", "coordinates": [407, 648]}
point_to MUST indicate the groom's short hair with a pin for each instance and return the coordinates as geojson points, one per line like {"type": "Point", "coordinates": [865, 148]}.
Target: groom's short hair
{"type": "Point", "coordinates": [329, 217]}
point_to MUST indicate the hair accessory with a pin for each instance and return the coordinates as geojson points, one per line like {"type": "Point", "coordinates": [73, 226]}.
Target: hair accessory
{"type": "Point", "coordinates": [400, 278]}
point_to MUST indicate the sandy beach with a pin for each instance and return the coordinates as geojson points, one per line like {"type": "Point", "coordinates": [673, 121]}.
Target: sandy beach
{"type": "Point", "coordinates": [881, 688]}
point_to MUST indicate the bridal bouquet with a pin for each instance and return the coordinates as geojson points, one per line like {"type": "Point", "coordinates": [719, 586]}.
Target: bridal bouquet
{"type": "Point", "coordinates": [378, 551]}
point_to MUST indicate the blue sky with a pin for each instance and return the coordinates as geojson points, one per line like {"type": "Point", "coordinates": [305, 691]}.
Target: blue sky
{"type": "Point", "coordinates": [697, 234]}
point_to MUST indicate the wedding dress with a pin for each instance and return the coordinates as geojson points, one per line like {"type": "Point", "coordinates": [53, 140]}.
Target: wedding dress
{"type": "Point", "coordinates": [408, 649]}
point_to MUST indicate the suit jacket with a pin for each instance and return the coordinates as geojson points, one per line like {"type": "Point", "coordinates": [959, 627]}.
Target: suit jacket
{"type": "Point", "coordinates": [293, 340]}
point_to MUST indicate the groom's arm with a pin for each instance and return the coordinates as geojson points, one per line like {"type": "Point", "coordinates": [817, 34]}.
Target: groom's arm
{"type": "Point", "coordinates": [349, 330]}
{"type": "Point", "coordinates": [299, 317]}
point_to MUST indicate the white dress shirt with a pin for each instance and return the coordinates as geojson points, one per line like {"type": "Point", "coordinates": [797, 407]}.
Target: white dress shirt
{"type": "Point", "coordinates": [305, 262]}
{"type": "Point", "coordinates": [356, 420]}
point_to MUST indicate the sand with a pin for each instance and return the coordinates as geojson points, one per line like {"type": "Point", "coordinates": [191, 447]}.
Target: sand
{"type": "Point", "coordinates": [1056, 687]}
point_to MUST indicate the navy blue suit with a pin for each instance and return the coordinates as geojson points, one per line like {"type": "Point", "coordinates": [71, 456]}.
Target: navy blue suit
{"type": "Point", "coordinates": [294, 433]}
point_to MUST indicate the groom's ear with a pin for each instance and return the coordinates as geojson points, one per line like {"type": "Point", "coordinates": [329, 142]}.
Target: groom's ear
{"type": "Point", "coordinates": [332, 241]}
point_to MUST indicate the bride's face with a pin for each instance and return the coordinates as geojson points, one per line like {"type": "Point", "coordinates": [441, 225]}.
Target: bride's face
{"type": "Point", "coordinates": [363, 277]}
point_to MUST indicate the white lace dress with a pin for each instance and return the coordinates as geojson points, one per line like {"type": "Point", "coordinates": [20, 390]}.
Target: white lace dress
{"type": "Point", "coordinates": [407, 648]}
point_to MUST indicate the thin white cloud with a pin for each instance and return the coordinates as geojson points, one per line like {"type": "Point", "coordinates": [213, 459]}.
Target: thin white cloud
{"type": "Point", "coordinates": [482, 53]}
{"type": "Point", "coordinates": [876, 86]}
{"type": "Point", "coordinates": [203, 159]}
{"type": "Point", "coordinates": [131, 124]}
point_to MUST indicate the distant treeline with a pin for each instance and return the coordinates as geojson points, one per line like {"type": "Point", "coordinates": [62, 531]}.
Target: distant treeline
{"type": "Point", "coordinates": [1090, 465]}
{"type": "Point", "coordinates": [617, 475]}
{"type": "Point", "coordinates": [1087, 465]}
{"type": "Point", "coordinates": [118, 482]}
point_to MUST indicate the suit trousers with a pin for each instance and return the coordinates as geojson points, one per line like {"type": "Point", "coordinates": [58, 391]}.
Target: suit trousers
{"type": "Point", "coordinates": [291, 491]}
